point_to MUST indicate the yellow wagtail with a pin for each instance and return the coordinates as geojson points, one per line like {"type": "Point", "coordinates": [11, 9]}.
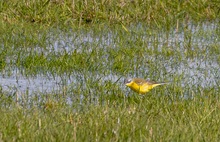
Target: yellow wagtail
{"type": "Point", "coordinates": [140, 85]}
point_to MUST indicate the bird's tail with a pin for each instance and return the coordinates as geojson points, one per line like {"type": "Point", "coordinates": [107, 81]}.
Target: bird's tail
{"type": "Point", "coordinates": [160, 83]}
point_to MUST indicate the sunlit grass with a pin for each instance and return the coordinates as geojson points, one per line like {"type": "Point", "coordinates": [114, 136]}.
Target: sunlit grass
{"type": "Point", "coordinates": [155, 13]}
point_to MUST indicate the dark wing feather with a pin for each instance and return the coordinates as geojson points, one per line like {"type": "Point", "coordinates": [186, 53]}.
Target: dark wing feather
{"type": "Point", "coordinates": [139, 81]}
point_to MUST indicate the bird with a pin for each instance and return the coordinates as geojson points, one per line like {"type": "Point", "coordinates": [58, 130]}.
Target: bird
{"type": "Point", "coordinates": [142, 86]}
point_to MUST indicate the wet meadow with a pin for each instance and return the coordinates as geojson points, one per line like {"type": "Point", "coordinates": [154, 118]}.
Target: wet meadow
{"type": "Point", "coordinates": [63, 65]}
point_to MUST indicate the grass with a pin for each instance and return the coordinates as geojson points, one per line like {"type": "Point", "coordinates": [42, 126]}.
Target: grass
{"type": "Point", "coordinates": [155, 13]}
{"type": "Point", "coordinates": [142, 119]}
{"type": "Point", "coordinates": [87, 48]}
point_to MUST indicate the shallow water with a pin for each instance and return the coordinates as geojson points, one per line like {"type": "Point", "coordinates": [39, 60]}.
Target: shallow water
{"type": "Point", "coordinates": [202, 70]}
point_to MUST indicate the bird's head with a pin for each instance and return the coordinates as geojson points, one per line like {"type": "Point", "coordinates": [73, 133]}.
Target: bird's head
{"type": "Point", "coordinates": [127, 81]}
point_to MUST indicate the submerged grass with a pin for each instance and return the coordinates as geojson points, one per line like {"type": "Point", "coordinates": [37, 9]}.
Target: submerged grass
{"type": "Point", "coordinates": [79, 43]}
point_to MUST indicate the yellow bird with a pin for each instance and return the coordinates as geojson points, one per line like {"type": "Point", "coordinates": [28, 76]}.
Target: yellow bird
{"type": "Point", "coordinates": [140, 85]}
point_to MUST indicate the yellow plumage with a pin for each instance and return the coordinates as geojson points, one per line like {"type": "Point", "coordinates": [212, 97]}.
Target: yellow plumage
{"type": "Point", "coordinates": [140, 85]}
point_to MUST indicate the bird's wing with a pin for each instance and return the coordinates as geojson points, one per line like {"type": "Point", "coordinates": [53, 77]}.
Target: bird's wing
{"type": "Point", "coordinates": [151, 82]}
{"type": "Point", "coordinates": [139, 81]}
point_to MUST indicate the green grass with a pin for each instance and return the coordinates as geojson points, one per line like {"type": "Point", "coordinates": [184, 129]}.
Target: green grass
{"type": "Point", "coordinates": [89, 48]}
{"type": "Point", "coordinates": [150, 118]}
{"type": "Point", "coordinates": [155, 13]}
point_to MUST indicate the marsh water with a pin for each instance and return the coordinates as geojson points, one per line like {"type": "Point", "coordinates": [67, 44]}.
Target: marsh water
{"type": "Point", "coordinates": [189, 54]}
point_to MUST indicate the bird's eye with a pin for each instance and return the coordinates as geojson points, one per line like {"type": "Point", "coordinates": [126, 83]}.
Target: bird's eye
{"type": "Point", "coordinates": [148, 79]}
{"type": "Point", "coordinates": [127, 80]}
